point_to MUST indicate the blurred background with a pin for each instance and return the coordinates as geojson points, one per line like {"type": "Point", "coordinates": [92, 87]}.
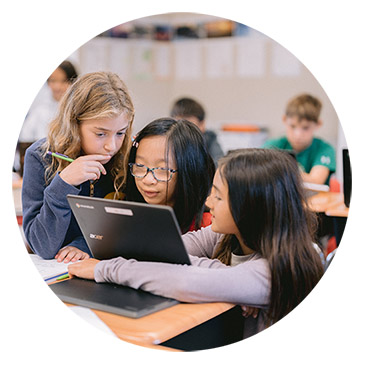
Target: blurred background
{"type": "Point", "coordinates": [242, 78]}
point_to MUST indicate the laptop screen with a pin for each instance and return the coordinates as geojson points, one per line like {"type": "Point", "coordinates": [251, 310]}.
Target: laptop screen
{"type": "Point", "coordinates": [114, 228]}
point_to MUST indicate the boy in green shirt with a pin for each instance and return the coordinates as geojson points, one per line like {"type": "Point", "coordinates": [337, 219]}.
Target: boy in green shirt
{"type": "Point", "coordinates": [315, 156]}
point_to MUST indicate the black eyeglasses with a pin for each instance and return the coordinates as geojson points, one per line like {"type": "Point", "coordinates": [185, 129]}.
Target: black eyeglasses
{"type": "Point", "coordinates": [159, 173]}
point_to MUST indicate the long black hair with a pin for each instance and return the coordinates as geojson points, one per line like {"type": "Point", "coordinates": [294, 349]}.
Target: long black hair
{"type": "Point", "coordinates": [194, 164]}
{"type": "Point", "coordinates": [268, 205]}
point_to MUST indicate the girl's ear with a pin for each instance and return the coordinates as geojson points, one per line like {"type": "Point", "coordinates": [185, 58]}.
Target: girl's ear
{"type": "Point", "coordinates": [284, 119]}
{"type": "Point", "coordinates": [319, 123]}
{"type": "Point", "coordinates": [201, 125]}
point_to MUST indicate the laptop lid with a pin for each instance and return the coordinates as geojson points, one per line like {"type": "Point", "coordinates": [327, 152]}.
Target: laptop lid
{"type": "Point", "coordinates": [114, 228]}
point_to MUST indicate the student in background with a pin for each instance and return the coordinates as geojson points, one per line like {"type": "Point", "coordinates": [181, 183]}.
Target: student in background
{"type": "Point", "coordinates": [93, 127]}
{"type": "Point", "coordinates": [43, 111]}
{"type": "Point", "coordinates": [38, 118]}
{"type": "Point", "coordinates": [316, 157]}
{"type": "Point", "coordinates": [170, 165]}
{"type": "Point", "coordinates": [189, 109]}
{"type": "Point", "coordinates": [258, 251]}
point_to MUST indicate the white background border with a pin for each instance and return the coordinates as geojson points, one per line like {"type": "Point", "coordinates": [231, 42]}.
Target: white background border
{"type": "Point", "coordinates": [329, 330]}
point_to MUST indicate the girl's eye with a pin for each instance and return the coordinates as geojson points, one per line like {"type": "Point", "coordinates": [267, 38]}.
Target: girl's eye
{"type": "Point", "coordinates": [100, 134]}
{"type": "Point", "coordinates": [120, 134]}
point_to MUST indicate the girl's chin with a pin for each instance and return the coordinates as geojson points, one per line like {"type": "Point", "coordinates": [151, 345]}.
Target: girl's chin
{"type": "Point", "coordinates": [152, 199]}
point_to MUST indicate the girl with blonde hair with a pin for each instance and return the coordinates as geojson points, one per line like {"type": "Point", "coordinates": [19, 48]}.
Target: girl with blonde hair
{"type": "Point", "coordinates": [92, 131]}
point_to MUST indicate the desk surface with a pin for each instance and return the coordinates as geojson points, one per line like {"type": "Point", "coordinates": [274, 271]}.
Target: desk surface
{"type": "Point", "coordinates": [158, 327]}
{"type": "Point", "coordinates": [163, 325]}
{"type": "Point", "coordinates": [330, 203]}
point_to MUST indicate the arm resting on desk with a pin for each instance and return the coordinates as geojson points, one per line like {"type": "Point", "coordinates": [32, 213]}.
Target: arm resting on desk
{"type": "Point", "coordinates": [204, 281]}
{"type": "Point", "coordinates": [318, 174]}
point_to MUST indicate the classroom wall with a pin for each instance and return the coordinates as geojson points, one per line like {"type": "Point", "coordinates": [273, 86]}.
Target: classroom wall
{"type": "Point", "coordinates": [237, 79]}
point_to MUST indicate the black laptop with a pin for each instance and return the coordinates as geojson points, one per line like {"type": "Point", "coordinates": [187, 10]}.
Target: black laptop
{"type": "Point", "coordinates": [115, 228]}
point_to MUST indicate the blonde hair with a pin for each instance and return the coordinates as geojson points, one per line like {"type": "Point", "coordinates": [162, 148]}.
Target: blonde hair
{"type": "Point", "coordinates": [95, 95]}
{"type": "Point", "coordinates": [304, 107]}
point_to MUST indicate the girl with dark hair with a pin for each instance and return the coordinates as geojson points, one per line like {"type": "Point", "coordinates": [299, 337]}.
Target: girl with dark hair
{"type": "Point", "coordinates": [170, 165]}
{"type": "Point", "coordinates": [258, 252]}
{"type": "Point", "coordinates": [69, 69]}
{"type": "Point", "coordinates": [38, 118]}
{"type": "Point", "coordinates": [59, 81]}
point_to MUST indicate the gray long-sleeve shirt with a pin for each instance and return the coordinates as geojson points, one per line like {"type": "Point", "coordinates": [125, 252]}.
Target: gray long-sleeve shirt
{"type": "Point", "coordinates": [205, 280]}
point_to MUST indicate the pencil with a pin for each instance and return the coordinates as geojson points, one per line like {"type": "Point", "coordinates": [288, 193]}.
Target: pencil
{"type": "Point", "coordinates": [60, 156]}
{"type": "Point", "coordinates": [65, 276]}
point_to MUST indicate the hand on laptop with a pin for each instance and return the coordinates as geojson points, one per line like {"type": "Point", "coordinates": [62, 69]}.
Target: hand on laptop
{"type": "Point", "coordinates": [83, 269]}
{"type": "Point", "coordinates": [70, 254]}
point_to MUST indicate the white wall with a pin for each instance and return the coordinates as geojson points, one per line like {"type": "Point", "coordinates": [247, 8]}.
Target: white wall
{"type": "Point", "coordinates": [212, 71]}
{"type": "Point", "coordinates": [237, 79]}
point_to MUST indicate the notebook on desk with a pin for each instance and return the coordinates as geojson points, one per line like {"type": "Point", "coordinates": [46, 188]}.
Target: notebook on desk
{"type": "Point", "coordinates": [114, 228]}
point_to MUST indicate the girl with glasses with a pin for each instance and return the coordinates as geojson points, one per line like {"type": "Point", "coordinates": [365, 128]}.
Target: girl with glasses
{"type": "Point", "coordinates": [257, 252]}
{"type": "Point", "coordinates": [169, 165]}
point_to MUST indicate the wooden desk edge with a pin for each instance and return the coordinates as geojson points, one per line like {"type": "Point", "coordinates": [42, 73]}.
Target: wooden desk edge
{"type": "Point", "coordinates": [154, 329]}
{"type": "Point", "coordinates": [324, 202]}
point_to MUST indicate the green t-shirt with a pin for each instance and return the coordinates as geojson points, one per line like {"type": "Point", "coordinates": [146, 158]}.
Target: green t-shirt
{"type": "Point", "coordinates": [318, 153]}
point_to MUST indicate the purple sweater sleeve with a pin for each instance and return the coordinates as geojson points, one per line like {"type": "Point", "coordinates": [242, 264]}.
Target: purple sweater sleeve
{"type": "Point", "coordinates": [205, 280]}
{"type": "Point", "coordinates": [201, 243]}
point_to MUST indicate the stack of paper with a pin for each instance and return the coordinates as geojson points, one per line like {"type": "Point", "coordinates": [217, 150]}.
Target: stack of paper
{"type": "Point", "coordinates": [49, 269]}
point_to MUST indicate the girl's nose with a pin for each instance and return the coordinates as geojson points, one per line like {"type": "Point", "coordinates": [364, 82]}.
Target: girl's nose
{"type": "Point", "coordinates": [149, 179]}
{"type": "Point", "coordinates": [110, 145]}
{"type": "Point", "coordinates": [208, 202]}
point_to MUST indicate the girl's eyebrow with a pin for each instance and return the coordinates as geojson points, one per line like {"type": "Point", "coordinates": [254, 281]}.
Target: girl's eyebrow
{"type": "Point", "coordinates": [156, 160]}
{"type": "Point", "coordinates": [108, 130]}
{"type": "Point", "coordinates": [216, 188]}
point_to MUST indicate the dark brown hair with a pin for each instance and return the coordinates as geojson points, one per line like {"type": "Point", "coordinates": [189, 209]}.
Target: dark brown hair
{"type": "Point", "coordinates": [70, 70]}
{"type": "Point", "coordinates": [187, 107]}
{"type": "Point", "coordinates": [268, 205]}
